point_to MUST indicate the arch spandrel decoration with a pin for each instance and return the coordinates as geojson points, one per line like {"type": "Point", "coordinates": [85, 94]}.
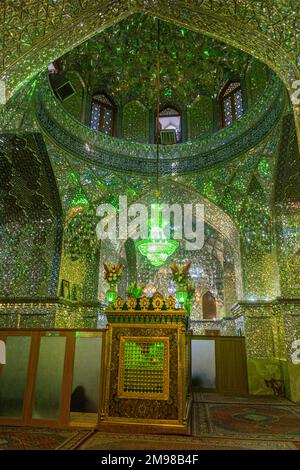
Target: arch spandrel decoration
{"type": "Point", "coordinates": [135, 125]}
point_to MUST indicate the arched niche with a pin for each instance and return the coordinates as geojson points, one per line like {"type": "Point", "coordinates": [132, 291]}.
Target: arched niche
{"type": "Point", "coordinates": [209, 306]}
{"type": "Point", "coordinates": [174, 192]}
{"type": "Point", "coordinates": [256, 80]}
{"type": "Point", "coordinates": [200, 116]}
{"type": "Point", "coordinates": [135, 122]}
{"type": "Point", "coordinates": [103, 114]}
{"type": "Point", "coordinates": [30, 219]}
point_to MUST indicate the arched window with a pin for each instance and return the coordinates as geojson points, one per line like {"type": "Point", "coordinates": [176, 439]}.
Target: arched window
{"type": "Point", "coordinates": [103, 114]}
{"type": "Point", "coordinates": [170, 125]}
{"type": "Point", "coordinates": [231, 102]}
{"type": "Point", "coordinates": [53, 68]}
{"type": "Point", "coordinates": [209, 307]}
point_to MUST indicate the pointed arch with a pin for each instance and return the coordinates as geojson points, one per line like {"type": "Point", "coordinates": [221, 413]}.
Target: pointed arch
{"type": "Point", "coordinates": [231, 102]}
{"type": "Point", "coordinates": [200, 117]}
{"type": "Point", "coordinates": [103, 114]}
{"type": "Point", "coordinates": [135, 125]}
{"type": "Point", "coordinates": [170, 121]}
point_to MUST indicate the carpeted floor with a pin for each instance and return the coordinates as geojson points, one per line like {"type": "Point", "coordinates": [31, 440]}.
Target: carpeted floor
{"type": "Point", "coordinates": [247, 420]}
{"type": "Point", "coordinates": [218, 423]}
{"type": "Point", "coordinates": [265, 420]}
{"type": "Point", "coordinates": [204, 397]}
{"type": "Point", "coordinates": [19, 438]}
{"type": "Point", "coordinates": [108, 441]}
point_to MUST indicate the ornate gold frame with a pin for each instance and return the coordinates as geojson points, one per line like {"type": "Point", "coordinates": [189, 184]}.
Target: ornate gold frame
{"type": "Point", "coordinates": [166, 379]}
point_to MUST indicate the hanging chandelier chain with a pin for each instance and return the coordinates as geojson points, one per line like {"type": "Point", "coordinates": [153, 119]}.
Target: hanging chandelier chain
{"type": "Point", "coordinates": [157, 249]}
{"type": "Point", "coordinates": [157, 104]}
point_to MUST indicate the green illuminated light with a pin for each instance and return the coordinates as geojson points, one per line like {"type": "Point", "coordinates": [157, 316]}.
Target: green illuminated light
{"type": "Point", "coordinates": [32, 88]}
{"type": "Point", "coordinates": [80, 199]}
{"type": "Point", "coordinates": [264, 168]}
{"type": "Point", "coordinates": [138, 356]}
{"type": "Point", "coordinates": [182, 297]}
{"type": "Point", "coordinates": [157, 251]}
{"type": "Point", "coordinates": [110, 296]}
{"type": "Point", "coordinates": [73, 176]}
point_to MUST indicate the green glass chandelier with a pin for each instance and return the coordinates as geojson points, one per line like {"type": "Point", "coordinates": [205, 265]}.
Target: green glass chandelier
{"type": "Point", "coordinates": [157, 248]}
{"type": "Point", "coordinates": [157, 251]}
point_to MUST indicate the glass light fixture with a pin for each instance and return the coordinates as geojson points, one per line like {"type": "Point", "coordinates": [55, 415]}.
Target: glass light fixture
{"type": "Point", "coordinates": [182, 297]}
{"type": "Point", "coordinates": [157, 251]}
{"type": "Point", "coordinates": [157, 248]}
{"type": "Point", "coordinates": [110, 296]}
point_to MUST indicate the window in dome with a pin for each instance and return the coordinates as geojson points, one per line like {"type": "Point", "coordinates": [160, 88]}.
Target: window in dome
{"type": "Point", "coordinates": [103, 114]}
{"type": "Point", "coordinates": [65, 91]}
{"type": "Point", "coordinates": [170, 126]}
{"type": "Point", "coordinates": [53, 68]}
{"type": "Point", "coordinates": [231, 101]}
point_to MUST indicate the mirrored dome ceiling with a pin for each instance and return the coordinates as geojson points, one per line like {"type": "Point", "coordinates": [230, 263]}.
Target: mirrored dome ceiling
{"type": "Point", "coordinates": [216, 101]}
{"type": "Point", "coordinates": [122, 61]}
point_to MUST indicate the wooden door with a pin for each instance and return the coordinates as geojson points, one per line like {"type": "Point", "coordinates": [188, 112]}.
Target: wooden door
{"type": "Point", "coordinates": [49, 384]}
{"type": "Point", "coordinates": [24, 363]}
{"type": "Point", "coordinates": [231, 365]}
{"type": "Point", "coordinates": [13, 380]}
{"type": "Point", "coordinates": [38, 377]}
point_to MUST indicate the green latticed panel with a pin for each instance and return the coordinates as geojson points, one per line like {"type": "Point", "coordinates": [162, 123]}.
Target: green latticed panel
{"type": "Point", "coordinates": [144, 368]}
{"type": "Point", "coordinates": [144, 365]}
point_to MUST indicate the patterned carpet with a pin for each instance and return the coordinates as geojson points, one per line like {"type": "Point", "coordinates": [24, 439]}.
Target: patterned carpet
{"type": "Point", "coordinates": [108, 441]}
{"type": "Point", "coordinates": [251, 399]}
{"type": "Point", "coordinates": [19, 438]}
{"type": "Point", "coordinates": [218, 423]}
{"type": "Point", "coordinates": [255, 421]}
